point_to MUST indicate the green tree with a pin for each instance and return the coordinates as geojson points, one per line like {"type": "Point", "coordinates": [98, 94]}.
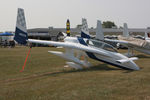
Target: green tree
{"type": "Point", "coordinates": [108, 24]}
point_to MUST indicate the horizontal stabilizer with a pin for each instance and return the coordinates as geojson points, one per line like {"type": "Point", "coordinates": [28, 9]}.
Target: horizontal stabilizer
{"type": "Point", "coordinates": [126, 60]}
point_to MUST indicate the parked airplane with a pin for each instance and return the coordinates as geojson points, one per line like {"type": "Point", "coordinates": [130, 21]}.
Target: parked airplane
{"type": "Point", "coordinates": [130, 42]}
{"type": "Point", "coordinates": [75, 47]}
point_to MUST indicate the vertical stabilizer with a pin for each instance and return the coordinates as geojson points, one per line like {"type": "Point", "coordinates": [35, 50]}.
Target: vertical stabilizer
{"type": "Point", "coordinates": [21, 30]}
{"type": "Point", "coordinates": [99, 31]}
{"type": "Point", "coordinates": [125, 30]}
{"type": "Point", "coordinates": [84, 29]}
{"type": "Point", "coordinates": [68, 27]}
{"type": "Point", "coordinates": [147, 36]}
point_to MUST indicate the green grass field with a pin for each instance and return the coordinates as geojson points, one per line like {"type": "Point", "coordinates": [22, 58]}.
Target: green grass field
{"type": "Point", "coordinates": [45, 78]}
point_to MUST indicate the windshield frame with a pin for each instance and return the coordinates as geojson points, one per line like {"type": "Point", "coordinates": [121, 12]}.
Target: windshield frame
{"type": "Point", "coordinates": [101, 45]}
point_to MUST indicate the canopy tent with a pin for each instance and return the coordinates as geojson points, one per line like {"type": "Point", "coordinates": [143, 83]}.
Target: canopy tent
{"type": "Point", "coordinates": [6, 34]}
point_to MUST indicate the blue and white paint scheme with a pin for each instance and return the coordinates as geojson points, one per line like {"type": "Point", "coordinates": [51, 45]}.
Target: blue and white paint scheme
{"type": "Point", "coordinates": [84, 29]}
{"type": "Point", "coordinates": [21, 30]}
{"type": "Point", "coordinates": [75, 47]}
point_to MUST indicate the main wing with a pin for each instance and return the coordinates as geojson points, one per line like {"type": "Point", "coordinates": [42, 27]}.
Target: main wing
{"type": "Point", "coordinates": [77, 46]}
{"type": "Point", "coordinates": [117, 41]}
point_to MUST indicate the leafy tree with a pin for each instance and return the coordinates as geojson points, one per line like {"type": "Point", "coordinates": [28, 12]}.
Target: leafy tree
{"type": "Point", "coordinates": [108, 24]}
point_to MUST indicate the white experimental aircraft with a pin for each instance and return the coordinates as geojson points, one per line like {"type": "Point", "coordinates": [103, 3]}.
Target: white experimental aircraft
{"type": "Point", "coordinates": [77, 46]}
{"type": "Point", "coordinates": [126, 40]}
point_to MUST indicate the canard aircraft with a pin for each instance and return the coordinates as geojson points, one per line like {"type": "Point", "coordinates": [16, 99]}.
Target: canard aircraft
{"type": "Point", "coordinates": [130, 42]}
{"type": "Point", "coordinates": [75, 47]}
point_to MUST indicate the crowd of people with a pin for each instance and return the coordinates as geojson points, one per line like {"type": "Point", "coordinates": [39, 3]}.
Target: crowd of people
{"type": "Point", "coordinates": [7, 43]}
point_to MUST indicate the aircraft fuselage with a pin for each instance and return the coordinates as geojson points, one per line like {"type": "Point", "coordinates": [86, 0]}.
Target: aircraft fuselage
{"type": "Point", "coordinates": [112, 56]}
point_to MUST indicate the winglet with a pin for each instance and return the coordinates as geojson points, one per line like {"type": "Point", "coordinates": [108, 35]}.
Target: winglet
{"type": "Point", "coordinates": [84, 29]}
{"type": "Point", "coordinates": [125, 30]}
{"type": "Point", "coordinates": [21, 31]}
{"type": "Point", "coordinates": [99, 31]}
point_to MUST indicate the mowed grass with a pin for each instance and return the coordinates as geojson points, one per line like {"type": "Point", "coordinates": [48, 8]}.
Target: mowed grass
{"type": "Point", "coordinates": [45, 78]}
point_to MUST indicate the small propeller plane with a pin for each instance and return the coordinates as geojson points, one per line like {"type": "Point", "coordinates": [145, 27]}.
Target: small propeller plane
{"type": "Point", "coordinates": [75, 47]}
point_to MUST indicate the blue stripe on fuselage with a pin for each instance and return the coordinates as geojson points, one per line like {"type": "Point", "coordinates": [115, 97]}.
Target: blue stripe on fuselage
{"type": "Point", "coordinates": [91, 55]}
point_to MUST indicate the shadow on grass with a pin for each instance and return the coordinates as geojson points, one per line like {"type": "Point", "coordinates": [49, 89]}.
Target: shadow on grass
{"type": "Point", "coordinates": [101, 67]}
{"type": "Point", "coordinates": [142, 56]}
{"type": "Point", "coordinates": [128, 71]}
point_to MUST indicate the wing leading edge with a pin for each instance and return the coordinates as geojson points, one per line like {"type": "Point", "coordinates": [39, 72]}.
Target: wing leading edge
{"type": "Point", "coordinates": [77, 46]}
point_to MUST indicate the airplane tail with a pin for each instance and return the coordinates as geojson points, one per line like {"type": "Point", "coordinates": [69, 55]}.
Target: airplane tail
{"type": "Point", "coordinates": [147, 36]}
{"type": "Point", "coordinates": [84, 29]}
{"type": "Point", "coordinates": [99, 31]}
{"type": "Point", "coordinates": [21, 31]}
{"type": "Point", "coordinates": [125, 30]}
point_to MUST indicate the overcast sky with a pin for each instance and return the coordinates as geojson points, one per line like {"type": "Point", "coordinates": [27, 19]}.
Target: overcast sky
{"type": "Point", "coordinates": [45, 13]}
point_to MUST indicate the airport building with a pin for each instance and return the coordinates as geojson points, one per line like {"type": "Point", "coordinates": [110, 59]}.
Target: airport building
{"type": "Point", "coordinates": [50, 33]}
{"type": "Point", "coordinates": [45, 33]}
{"type": "Point", "coordinates": [56, 33]}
